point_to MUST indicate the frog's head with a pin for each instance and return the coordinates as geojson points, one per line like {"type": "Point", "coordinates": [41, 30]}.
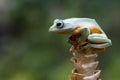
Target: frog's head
{"type": "Point", "coordinates": [61, 27]}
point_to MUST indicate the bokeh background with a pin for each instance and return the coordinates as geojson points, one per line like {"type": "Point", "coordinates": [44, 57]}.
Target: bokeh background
{"type": "Point", "coordinates": [29, 52]}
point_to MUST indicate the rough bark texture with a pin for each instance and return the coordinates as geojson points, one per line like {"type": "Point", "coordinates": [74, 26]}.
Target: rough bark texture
{"type": "Point", "coordinates": [84, 61]}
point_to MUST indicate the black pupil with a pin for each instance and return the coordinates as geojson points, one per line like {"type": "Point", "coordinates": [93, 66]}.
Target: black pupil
{"type": "Point", "coordinates": [59, 24]}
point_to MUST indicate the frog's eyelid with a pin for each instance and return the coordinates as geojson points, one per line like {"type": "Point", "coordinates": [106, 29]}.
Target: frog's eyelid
{"type": "Point", "coordinates": [57, 20]}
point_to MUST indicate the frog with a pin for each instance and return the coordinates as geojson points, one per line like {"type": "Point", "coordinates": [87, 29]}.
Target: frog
{"type": "Point", "coordinates": [89, 33]}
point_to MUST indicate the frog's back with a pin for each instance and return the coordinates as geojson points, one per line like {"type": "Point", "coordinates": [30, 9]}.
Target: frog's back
{"type": "Point", "coordinates": [86, 22]}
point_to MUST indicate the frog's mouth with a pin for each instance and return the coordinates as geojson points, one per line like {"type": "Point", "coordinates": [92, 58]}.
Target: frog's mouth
{"type": "Point", "coordinates": [63, 31]}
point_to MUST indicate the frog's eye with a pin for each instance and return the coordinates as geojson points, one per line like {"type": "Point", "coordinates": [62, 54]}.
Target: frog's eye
{"type": "Point", "coordinates": [59, 24]}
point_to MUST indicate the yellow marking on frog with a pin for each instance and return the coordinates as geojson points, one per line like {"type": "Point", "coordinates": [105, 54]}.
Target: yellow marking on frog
{"type": "Point", "coordinates": [95, 30]}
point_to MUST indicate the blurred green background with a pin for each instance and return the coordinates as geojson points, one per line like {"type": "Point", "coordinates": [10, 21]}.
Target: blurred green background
{"type": "Point", "coordinates": [29, 52]}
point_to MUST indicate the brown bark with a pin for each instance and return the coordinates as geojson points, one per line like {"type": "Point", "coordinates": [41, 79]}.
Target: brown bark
{"type": "Point", "coordinates": [84, 61]}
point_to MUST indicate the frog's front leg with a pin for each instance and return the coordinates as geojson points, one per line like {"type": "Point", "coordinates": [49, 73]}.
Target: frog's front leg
{"type": "Point", "coordinates": [84, 34]}
{"type": "Point", "coordinates": [80, 36]}
{"type": "Point", "coordinates": [98, 41]}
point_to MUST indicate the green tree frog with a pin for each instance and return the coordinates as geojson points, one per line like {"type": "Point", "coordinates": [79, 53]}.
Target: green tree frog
{"type": "Point", "coordinates": [87, 29]}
